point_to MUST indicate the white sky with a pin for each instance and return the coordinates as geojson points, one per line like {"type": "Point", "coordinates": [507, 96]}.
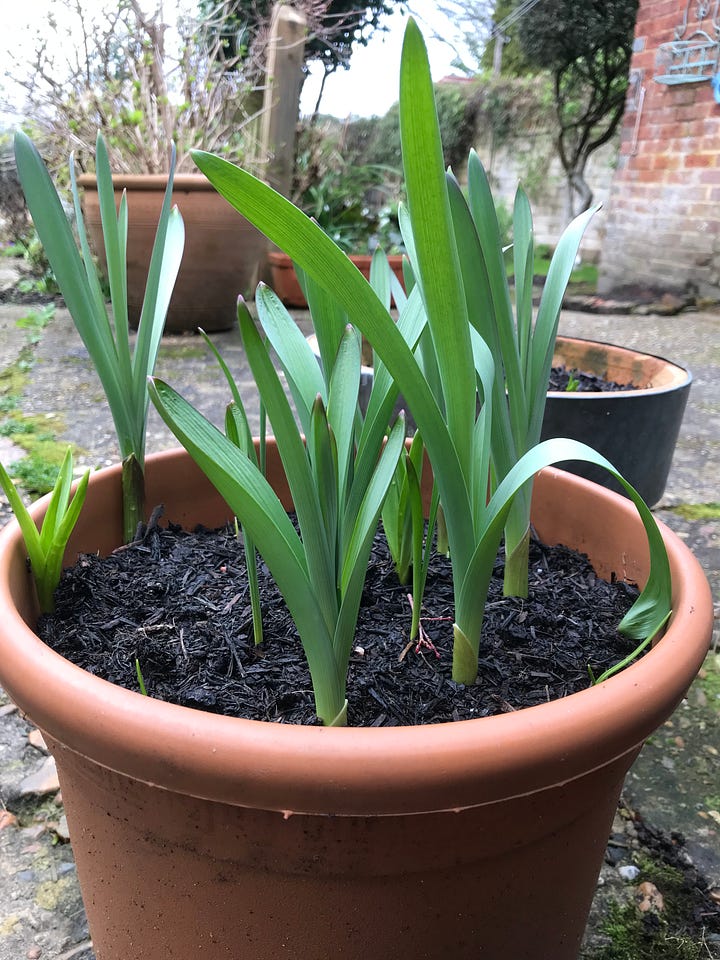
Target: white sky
{"type": "Point", "coordinates": [369, 86]}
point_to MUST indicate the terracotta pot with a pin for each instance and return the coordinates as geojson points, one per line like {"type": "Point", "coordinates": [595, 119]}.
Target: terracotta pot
{"type": "Point", "coordinates": [635, 429]}
{"type": "Point", "coordinates": [205, 836]}
{"type": "Point", "coordinates": [222, 250]}
{"type": "Point", "coordinates": [285, 283]}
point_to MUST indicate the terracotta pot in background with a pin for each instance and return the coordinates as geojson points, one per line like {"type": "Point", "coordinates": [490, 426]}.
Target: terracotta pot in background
{"type": "Point", "coordinates": [222, 250]}
{"type": "Point", "coordinates": [205, 836]}
{"type": "Point", "coordinates": [285, 283]}
{"type": "Point", "coordinates": [635, 429]}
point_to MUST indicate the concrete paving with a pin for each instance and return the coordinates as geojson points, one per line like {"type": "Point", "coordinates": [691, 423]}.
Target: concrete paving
{"type": "Point", "coordinates": [676, 782]}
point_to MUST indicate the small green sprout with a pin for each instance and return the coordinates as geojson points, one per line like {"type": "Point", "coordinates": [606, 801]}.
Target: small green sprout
{"type": "Point", "coordinates": [140, 678]}
{"type": "Point", "coordinates": [46, 547]}
{"type": "Point", "coordinates": [572, 384]}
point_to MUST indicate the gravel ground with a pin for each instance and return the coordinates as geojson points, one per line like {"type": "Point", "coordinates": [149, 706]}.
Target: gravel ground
{"type": "Point", "coordinates": [674, 786]}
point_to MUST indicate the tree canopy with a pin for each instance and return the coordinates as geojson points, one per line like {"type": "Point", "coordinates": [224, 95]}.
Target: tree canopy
{"type": "Point", "coordinates": [334, 26]}
{"type": "Point", "coordinates": [586, 47]}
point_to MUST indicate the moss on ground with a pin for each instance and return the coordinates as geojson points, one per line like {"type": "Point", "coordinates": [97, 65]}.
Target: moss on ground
{"type": "Point", "coordinates": [697, 511]}
{"type": "Point", "coordinates": [36, 435]}
{"type": "Point", "coordinates": [669, 934]}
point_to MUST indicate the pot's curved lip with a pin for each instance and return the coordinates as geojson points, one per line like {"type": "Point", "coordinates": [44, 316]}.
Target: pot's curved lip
{"type": "Point", "coordinates": [682, 377]}
{"type": "Point", "coordinates": [150, 181]}
{"type": "Point", "coordinates": [359, 771]}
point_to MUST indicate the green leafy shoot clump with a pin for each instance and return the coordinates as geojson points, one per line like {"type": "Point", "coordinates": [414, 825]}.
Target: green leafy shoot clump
{"type": "Point", "coordinates": [338, 466]}
{"type": "Point", "coordinates": [474, 378]}
{"type": "Point", "coordinates": [122, 368]}
{"type": "Point", "coordinates": [46, 547]}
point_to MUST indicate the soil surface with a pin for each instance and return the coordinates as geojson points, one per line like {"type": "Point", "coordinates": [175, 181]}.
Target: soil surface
{"type": "Point", "coordinates": [178, 602]}
{"type": "Point", "coordinates": [578, 381]}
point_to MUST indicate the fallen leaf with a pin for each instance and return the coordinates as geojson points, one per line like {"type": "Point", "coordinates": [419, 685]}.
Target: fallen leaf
{"type": "Point", "coordinates": [7, 819]}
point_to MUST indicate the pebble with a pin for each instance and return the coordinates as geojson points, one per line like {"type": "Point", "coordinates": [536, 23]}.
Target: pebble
{"type": "Point", "coordinates": [61, 828]}
{"type": "Point", "coordinates": [34, 953]}
{"type": "Point", "coordinates": [44, 780]}
{"type": "Point", "coordinates": [33, 832]}
{"type": "Point", "coordinates": [650, 898]}
{"type": "Point", "coordinates": [36, 739]}
{"type": "Point", "coordinates": [7, 708]}
{"type": "Point", "coordinates": [629, 872]}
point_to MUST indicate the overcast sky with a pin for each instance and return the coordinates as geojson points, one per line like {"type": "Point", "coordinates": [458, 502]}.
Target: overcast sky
{"type": "Point", "coordinates": [369, 87]}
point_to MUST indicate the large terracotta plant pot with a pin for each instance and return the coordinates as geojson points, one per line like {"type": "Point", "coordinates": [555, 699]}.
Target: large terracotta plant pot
{"type": "Point", "coordinates": [222, 250]}
{"type": "Point", "coordinates": [206, 836]}
{"type": "Point", "coordinates": [285, 283]}
{"type": "Point", "coordinates": [635, 429]}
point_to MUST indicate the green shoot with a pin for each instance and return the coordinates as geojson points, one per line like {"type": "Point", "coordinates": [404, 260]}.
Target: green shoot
{"type": "Point", "coordinates": [626, 661]}
{"type": "Point", "coordinates": [572, 385]}
{"type": "Point", "coordinates": [140, 678]}
{"type": "Point", "coordinates": [338, 479]}
{"type": "Point", "coordinates": [46, 547]}
{"type": "Point", "coordinates": [237, 429]}
{"type": "Point", "coordinates": [458, 287]}
{"type": "Point", "coordinates": [404, 525]}
{"type": "Point", "coordinates": [122, 369]}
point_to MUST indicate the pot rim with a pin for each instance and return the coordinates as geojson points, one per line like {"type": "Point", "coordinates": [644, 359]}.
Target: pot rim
{"type": "Point", "coordinates": [150, 182]}
{"type": "Point", "coordinates": [358, 771]}
{"type": "Point", "coordinates": [682, 375]}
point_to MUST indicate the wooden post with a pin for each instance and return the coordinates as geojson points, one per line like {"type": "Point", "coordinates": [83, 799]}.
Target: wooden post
{"type": "Point", "coordinates": [282, 94]}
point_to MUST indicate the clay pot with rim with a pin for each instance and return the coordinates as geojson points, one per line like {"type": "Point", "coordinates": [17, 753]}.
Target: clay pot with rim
{"type": "Point", "coordinates": [635, 429]}
{"type": "Point", "coordinates": [285, 282]}
{"type": "Point", "coordinates": [198, 835]}
{"type": "Point", "coordinates": [222, 250]}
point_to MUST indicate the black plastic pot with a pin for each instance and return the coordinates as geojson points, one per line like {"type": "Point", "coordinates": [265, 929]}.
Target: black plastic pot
{"type": "Point", "coordinates": [635, 429]}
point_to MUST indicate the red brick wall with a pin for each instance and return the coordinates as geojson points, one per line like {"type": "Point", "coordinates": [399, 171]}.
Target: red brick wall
{"type": "Point", "coordinates": [663, 215]}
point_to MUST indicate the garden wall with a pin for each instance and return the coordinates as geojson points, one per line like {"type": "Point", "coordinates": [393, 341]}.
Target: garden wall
{"type": "Point", "coordinates": [532, 161]}
{"type": "Point", "coordinates": [663, 227]}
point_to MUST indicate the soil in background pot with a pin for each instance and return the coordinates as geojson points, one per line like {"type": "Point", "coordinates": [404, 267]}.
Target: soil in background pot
{"type": "Point", "coordinates": [581, 382]}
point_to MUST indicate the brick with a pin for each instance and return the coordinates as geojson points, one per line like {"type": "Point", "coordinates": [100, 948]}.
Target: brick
{"type": "Point", "coordinates": [700, 160]}
{"type": "Point", "coordinates": [666, 161]}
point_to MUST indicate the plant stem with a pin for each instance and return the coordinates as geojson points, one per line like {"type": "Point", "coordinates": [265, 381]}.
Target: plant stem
{"type": "Point", "coordinates": [133, 497]}
{"type": "Point", "coordinates": [515, 581]}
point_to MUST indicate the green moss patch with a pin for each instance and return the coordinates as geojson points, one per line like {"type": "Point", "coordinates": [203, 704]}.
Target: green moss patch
{"type": "Point", "coordinates": [37, 435]}
{"type": "Point", "coordinates": [674, 933]}
{"type": "Point", "coordinates": [697, 511]}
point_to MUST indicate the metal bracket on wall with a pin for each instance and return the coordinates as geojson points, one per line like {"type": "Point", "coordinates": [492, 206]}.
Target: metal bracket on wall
{"type": "Point", "coordinates": [694, 56]}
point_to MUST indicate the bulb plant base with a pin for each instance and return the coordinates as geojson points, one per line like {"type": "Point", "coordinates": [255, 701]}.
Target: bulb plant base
{"type": "Point", "coordinates": [222, 251]}
{"type": "Point", "coordinates": [637, 430]}
{"type": "Point", "coordinates": [198, 835]}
